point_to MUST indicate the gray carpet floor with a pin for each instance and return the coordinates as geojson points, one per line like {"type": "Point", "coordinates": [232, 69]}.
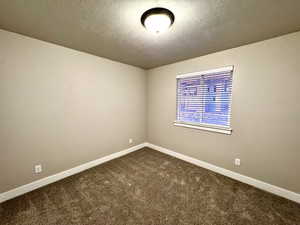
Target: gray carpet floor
{"type": "Point", "coordinates": [148, 188]}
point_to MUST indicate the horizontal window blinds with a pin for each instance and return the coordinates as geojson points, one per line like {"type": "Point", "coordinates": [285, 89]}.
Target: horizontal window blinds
{"type": "Point", "coordinates": [205, 99]}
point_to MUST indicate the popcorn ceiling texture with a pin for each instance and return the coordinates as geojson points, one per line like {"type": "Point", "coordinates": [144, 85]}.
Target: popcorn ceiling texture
{"type": "Point", "coordinates": [112, 28]}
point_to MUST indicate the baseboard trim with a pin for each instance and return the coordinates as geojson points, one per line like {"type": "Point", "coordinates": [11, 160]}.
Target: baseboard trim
{"type": "Point", "coordinates": [56, 177]}
{"type": "Point", "coordinates": [236, 176]}
{"type": "Point", "coordinates": [59, 176]}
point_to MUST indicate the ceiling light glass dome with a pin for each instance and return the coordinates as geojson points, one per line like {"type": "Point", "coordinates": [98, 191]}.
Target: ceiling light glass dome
{"type": "Point", "coordinates": [157, 20]}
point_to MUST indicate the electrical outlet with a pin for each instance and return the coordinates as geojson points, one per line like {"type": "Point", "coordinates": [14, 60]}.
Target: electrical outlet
{"type": "Point", "coordinates": [130, 141]}
{"type": "Point", "coordinates": [237, 162]}
{"type": "Point", "coordinates": [38, 168]}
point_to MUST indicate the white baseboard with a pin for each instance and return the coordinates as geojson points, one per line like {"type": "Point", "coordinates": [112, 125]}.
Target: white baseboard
{"type": "Point", "coordinates": [236, 176]}
{"type": "Point", "coordinates": [48, 180]}
{"type": "Point", "coordinates": [56, 177]}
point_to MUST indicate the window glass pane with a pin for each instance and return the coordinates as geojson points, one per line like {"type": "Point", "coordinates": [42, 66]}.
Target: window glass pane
{"type": "Point", "coordinates": [216, 101]}
{"type": "Point", "coordinates": [189, 107]}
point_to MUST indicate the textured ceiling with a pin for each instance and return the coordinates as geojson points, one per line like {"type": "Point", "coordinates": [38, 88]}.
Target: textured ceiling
{"type": "Point", "coordinates": [112, 29]}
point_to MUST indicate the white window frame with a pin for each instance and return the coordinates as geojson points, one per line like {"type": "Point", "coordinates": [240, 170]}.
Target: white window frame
{"type": "Point", "coordinates": [203, 126]}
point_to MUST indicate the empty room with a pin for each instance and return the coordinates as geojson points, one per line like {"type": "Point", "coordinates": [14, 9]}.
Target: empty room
{"type": "Point", "coordinates": [149, 112]}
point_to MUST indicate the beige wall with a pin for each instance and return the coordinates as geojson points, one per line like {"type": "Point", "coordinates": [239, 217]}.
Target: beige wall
{"type": "Point", "coordinates": [265, 111]}
{"type": "Point", "coordinates": [62, 108]}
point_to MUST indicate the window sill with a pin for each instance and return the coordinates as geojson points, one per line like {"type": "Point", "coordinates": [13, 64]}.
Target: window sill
{"type": "Point", "coordinates": [199, 127]}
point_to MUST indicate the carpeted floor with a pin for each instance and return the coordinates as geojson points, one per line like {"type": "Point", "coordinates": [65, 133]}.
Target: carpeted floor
{"type": "Point", "coordinates": [148, 188]}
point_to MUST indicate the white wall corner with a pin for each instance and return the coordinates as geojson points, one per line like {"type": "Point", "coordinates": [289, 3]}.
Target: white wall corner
{"type": "Point", "coordinates": [293, 196]}
{"type": "Point", "coordinates": [59, 176]}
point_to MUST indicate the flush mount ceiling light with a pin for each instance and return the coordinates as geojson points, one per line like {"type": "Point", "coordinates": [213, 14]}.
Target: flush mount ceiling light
{"type": "Point", "coordinates": [157, 20]}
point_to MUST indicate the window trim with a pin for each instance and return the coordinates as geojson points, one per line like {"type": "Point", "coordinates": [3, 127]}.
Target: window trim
{"type": "Point", "coordinates": [203, 126]}
{"type": "Point", "coordinates": [205, 72]}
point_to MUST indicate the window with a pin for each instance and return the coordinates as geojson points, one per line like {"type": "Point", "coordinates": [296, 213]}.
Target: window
{"type": "Point", "coordinates": [204, 100]}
